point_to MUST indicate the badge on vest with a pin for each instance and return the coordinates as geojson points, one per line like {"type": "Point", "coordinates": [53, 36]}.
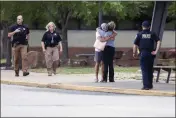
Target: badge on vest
{"type": "Point", "coordinates": [146, 36]}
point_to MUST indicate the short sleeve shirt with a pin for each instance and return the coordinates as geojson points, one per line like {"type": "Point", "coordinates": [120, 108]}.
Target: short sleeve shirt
{"type": "Point", "coordinates": [19, 37]}
{"type": "Point", "coordinates": [146, 40]}
{"type": "Point", "coordinates": [51, 39]}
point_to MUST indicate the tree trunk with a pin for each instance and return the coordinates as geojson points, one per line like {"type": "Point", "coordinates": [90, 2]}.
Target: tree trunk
{"type": "Point", "coordinates": [4, 40]}
{"type": "Point", "coordinates": [64, 24]}
{"type": "Point", "coordinates": [65, 44]}
{"type": "Point", "coordinates": [1, 45]}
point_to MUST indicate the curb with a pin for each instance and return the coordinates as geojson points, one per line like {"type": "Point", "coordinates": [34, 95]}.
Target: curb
{"type": "Point", "coordinates": [91, 88]}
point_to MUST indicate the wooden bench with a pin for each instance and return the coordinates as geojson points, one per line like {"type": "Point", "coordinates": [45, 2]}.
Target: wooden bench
{"type": "Point", "coordinates": [165, 68]}
{"type": "Point", "coordinates": [77, 62]}
{"type": "Point", "coordinates": [86, 56]}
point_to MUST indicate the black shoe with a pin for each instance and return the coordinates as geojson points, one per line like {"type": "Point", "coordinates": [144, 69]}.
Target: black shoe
{"type": "Point", "coordinates": [144, 88]}
{"type": "Point", "coordinates": [49, 74]}
{"type": "Point", "coordinates": [54, 72]}
{"type": "Point", "coordinates": [112, 81]}
{"type": "Point", "coordinates": [151, 87]}
{"type": "Point", "coordinates": [16, 73]}
{"type": "Point", "coordinates": [25, 73]}
{"type": "Point", "coordinates": [103, 81]}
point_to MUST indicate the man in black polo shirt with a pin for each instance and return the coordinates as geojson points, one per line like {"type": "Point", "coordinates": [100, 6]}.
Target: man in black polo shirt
{"type": "Point", "coordinates": [20, 34]}
{"type": "Point", "coordinates": [145, 41]}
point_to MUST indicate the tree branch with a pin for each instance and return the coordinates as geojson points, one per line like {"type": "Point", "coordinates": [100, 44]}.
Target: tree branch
{"type": "Point", "coordinates": [67, 18]}
{"type": "Point", "coordinates": [49, 12]}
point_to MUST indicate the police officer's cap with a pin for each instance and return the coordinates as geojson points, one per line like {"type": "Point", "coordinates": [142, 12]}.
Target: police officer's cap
{"type": "Point", "coordinates": [145, 24]}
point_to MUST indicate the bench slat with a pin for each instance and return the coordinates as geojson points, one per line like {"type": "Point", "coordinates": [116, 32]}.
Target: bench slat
{"type": "Point", "coordinates": [84, 55]}
{"type": "Point", "coordinates": [172, 67]}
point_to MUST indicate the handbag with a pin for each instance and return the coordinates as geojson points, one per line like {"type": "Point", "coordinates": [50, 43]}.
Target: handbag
{"type": "Point", "coordinates": [99, 45]}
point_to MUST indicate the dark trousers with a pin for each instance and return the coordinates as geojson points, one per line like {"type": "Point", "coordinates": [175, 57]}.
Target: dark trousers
{"type": "Point", "coordinates": [108, 56]}
{"type": "Point", "coordinates": [146, 62]}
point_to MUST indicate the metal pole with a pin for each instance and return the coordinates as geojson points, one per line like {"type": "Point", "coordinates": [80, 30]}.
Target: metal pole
{"type": "Point", "coordinates": [100, 13]}
{"type": "Point", "coordinates": [159, 19]}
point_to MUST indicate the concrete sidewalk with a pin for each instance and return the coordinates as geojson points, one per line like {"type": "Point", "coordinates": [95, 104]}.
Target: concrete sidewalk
{"type": "Point", "coordinates": [86, 83]}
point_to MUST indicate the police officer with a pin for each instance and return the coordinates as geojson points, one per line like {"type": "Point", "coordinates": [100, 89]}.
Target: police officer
{"type": "Point", "coordinates": [50, 41]}
{"type": "Point", "coordinates": [20, 34]}
{"type": "Point", "coordinates": [145, 41]}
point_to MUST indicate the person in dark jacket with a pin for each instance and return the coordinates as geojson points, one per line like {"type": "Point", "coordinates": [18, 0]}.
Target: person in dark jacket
{"type": "Point", "coordinates": [145, 41]}
{"type": "Point", "coordinates": [50, 42]}
{"type": "Point", "coordinates": [20, 34]}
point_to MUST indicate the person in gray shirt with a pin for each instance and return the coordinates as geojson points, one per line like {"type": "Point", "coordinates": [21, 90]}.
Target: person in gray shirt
{"type": "Point", "coordinates": [108, 54]}
{"type": "Point", "coordinates": [100, 35]}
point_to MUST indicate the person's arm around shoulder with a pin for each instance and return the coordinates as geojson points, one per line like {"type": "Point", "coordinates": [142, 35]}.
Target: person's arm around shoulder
{"type": "Point", "coordinates": [103, 39]}
{"type": "Point", "coordinates": [114, 34]}
{"type": "Point", "coordinates": [12, 31]}
{"type": "Point", "coordinates": [157, 39]}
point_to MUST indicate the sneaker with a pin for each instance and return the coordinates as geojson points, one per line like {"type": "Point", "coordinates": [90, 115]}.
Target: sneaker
{"type": "Point", "coordinates": [103, 81]}
{"type": "Point", "coordinates": [25, 73]}
{"type": "Point", "coordinates": [96, 80]}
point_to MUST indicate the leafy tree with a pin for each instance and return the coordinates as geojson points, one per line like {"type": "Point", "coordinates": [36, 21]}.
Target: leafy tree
{"type": "Point", "coordinates": [62, 11]}
{"type": "Point", "coordinates": [31, 11]}
{"type": "Point", "coordinates": [4, 24]}
{"type": "Point", "coordinates": [172, 10]}
{"type": "Point", "coordinates": [124, 9]}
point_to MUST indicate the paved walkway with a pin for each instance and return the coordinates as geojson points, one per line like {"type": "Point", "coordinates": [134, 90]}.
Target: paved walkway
{"type": "Point", "coordinates": [82, 80]}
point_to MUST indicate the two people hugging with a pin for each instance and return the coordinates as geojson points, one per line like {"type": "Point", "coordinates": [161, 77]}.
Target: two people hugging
{"type": "Point", "coordinates": [104, 51]}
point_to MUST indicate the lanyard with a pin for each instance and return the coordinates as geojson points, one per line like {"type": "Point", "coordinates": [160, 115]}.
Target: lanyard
{"type": "Point", "coordinates": [52, 41]}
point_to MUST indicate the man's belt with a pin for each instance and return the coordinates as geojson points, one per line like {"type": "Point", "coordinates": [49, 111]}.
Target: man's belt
{"type": "Point", "coordinates": [147, 50]}
{"type": "Point", "coordinates": [52, 46]}
{"type": "Point", "coordinates": [17, 43]}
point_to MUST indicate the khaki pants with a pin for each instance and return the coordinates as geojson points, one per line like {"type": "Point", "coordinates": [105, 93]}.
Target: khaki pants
{"type": "Point", "coordinates": [17, 51]}
{"type": "Point", "coordinates": [52, 58]}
